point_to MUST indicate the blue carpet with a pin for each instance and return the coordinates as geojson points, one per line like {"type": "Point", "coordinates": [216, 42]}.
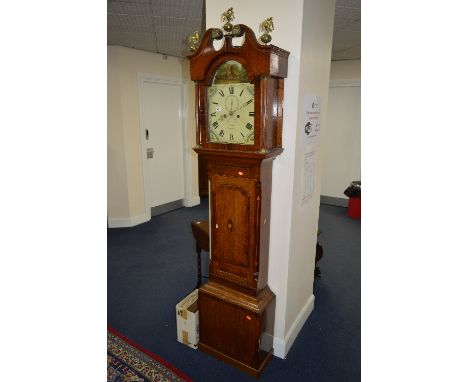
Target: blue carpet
{"type": "Point", "coordinates": [153, 266]}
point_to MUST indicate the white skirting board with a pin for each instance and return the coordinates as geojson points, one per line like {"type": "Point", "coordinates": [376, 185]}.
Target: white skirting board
{"type": "Point", "coordinates": [194, 201]}
{"type": "Point", "coordinates": [128, 222]}
{"type": "Point", "coordinates": [281, 346]}
{"type": "Point", "coordinates": [139, 219]}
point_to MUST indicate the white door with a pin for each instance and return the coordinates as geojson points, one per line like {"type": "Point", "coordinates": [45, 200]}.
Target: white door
{"type": "Point", "coordinates": [161, 126]}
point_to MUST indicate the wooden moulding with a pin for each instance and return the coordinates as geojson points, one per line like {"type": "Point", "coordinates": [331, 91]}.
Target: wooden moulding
{"type": "Point", "coordinates": [260, 155]}
{"type": "Point", "coordinates": [266, 60]}
{"type": "Point", "coordinates": [232, 296]}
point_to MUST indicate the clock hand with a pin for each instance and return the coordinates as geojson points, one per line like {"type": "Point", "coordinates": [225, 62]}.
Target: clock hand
{"type": "Point", "coordinates": [223, 116]}
{"type": "Point", "coordinates": [243, 105]}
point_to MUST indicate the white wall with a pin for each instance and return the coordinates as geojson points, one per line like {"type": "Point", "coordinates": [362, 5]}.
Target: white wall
{"type": "Point", "coordinates": [346, 70]}
{"type": "Point", "coordinates": [342, 139]}
{"type": "Point", "coordinates": [292, 246]}
{"type": "Point", "coordinates": [117, 190]}
{"type": "Point", "coordinates": [317, 34]}
{"type": "Point", "coordinates": [125, 193]}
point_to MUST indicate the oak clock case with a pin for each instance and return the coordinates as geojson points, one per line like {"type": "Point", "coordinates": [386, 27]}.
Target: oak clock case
{"type": "Point", "coordinates": [239, 98]}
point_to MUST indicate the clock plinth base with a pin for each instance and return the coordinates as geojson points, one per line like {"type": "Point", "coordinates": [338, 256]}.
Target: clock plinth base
{"type": "Point", "coordinates": [254, 372]}
{"type": "Point", "coordinates": [235, 327]}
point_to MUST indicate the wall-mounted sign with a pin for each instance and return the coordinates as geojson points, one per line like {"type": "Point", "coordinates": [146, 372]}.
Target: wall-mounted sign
{"type": "Point", "coordinates": [310, 129]}
{"type": "Point", "coordinates": [308, 177]}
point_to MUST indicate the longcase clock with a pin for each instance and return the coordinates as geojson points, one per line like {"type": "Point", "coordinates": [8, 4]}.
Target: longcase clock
{"type": "Point", "coordinates": [239, 115]}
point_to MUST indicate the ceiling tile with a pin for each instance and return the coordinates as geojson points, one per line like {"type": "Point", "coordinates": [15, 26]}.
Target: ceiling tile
{"type": "Point", "coordinates": [130, 1]}
{"type": "Point", "coordinates": [127, 22]}
{"type": "Point", "coordinates": [144, 41]}
{"type": "Point", "coordinates": [351, 53]}
{"type": "Point", "coordinates": [348, 3]}
{"type": "Point", "coordinates": [125, 8]}
{"type": "Point", "coordinates": [181, 8]}
{"type": "Point", "coordinates": [345, 39]}
{"type": "Point", "coordinates": [348, 13]}
{"type": "Point", "coordinates": [341, 23]}
{"type": "Point", "coordinates": [354, 26]}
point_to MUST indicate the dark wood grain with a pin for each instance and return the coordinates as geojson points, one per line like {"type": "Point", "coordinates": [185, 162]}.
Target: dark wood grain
{"type": "Point", "coordinates": [202, 176]}
{"type": "Point", "coordinates": [232, 228]}
{"type": "Point", "coordinates": [234, 327]}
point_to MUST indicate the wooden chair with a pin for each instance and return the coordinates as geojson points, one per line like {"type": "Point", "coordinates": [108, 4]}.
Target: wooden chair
{"type": "Point", "coordinates": [201, 234]}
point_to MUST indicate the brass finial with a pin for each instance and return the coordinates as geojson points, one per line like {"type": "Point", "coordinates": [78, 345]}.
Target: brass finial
{"type": "Point", "coordinates": [216, 34]}
{"type": "Point", "coordinates": [227, 17]}
{"type": "Point", "coordinates": [193, 41]}
{"type": "Point", "coordinates": [237, 31]}
{"type": "Point", "coordinates": [266, 27]}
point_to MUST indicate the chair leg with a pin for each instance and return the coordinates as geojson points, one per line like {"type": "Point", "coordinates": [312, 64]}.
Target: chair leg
{"type": "Point", "coordinates": [318, 257]}
{"type": "Point", "coordinates": [199, 267]}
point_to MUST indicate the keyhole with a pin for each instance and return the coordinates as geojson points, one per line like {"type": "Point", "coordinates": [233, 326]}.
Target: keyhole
{"type": "Point", "coordinates": [229, 225]}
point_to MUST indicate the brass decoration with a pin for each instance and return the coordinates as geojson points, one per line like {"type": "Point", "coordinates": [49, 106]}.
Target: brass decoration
{"type": "Point", "coordinates": [227, 17]}
{"type": "Point", "coordinates": [229, 28]}
{"type": "Point", "coordinates": [194, 41]}
{"type": "Point", "coordinates": [237, 31]}
{"type": "Point", "coordinates": [216, 34]}
{"type": "Point", "coordinates": [266, 27]}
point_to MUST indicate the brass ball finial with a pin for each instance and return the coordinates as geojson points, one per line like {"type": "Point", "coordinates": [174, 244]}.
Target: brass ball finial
{"type": "Point", "coordinates": [227, 17]}
{"type": "Point", "coordinates": [237, 31]}
{"type": "Point", "coordinates": [216, 34]}
{"type": "Point", "coordinates": [266, 27]}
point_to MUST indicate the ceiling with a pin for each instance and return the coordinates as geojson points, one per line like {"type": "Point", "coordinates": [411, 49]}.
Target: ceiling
{"type": "Point", "coordinates": [159, 26]}
{"type": "Point", "coordinates": [347, 30]}
{"type": "Point", "coordinates": [162, 26]}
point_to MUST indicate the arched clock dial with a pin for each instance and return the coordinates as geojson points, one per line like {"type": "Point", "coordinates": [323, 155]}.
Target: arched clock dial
{"type": "Point", "coordinates": [230, 102]}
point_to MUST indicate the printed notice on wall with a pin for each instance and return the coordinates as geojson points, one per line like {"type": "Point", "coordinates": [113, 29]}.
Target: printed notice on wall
{"type": "Point", "coordinates": [308, 177]}
{"type": "Point", "coordinates": [311, 119]}
{"type": "Point", "coordinates": [309, 136]}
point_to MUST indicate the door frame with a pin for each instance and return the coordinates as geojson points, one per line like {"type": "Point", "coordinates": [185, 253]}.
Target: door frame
{"type": "Point", "coordinates": [187, 160]}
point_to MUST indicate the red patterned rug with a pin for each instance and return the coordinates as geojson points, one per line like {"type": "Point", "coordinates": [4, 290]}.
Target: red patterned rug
{"type": "Point", "coordinates": [129, 362]}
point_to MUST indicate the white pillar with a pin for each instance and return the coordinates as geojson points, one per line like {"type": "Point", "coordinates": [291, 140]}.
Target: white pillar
{"type": "Point", "coordinates": [305, 29]}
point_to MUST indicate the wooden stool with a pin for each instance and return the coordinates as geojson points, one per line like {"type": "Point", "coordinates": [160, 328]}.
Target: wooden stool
{"type": "Point", "coordinates": [201, 233]}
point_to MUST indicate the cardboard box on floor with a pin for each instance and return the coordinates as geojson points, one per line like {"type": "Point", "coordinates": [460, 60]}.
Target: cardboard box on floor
{"type": "Point", "coordinates": [187, 320]}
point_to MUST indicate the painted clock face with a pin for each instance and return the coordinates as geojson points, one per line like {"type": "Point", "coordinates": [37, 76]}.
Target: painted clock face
{"type": "Point", "coordinates": [231, 101]}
